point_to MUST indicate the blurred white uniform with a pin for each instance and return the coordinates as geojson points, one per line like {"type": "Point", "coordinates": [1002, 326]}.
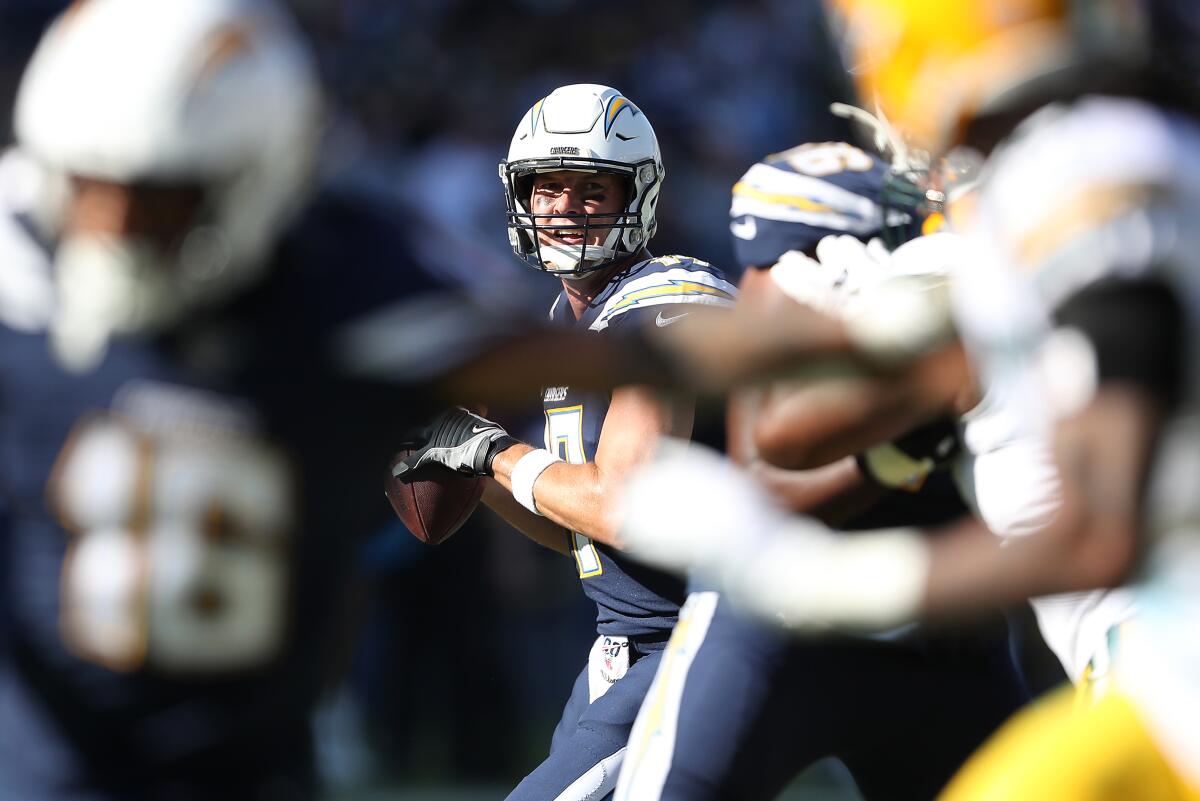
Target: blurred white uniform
{"type": "Point", "coordinates": [1100, 189]}
{"type": "Point", "coordinates": [1006, 471]}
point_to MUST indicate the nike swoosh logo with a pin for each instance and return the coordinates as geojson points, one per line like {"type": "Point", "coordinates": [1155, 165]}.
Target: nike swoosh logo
{"type": "Point", "coordinates": [747, 229]}
{"type": "Point", "coordinates": [480, 429]}
{"type": "Point", "coordinates": [660, 321]}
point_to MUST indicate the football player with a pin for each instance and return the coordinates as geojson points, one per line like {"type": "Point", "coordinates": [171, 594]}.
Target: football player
{"type": "Point", "coordinates": [187, 459]}
{"type": "Point", "coordinates": [582, 181]}
{"type": "Point", "coordinates": [845, 695]}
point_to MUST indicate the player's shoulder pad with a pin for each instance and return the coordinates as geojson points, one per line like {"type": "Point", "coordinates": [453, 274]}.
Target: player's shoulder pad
{"type": "Point", "coordinates": [663, 280]}
{"type": "Point", "coordinates": [791, 200]}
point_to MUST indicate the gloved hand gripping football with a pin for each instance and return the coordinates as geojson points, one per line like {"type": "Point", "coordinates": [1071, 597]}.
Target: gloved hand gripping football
{"type": "Point", "coordinates": [456, 439]}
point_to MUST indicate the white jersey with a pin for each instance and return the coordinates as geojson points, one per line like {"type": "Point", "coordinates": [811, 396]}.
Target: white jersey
{"type": "Point", "coordinates": [1006, 471]}
{"type": "Point", "coordinates": [1101, 188]}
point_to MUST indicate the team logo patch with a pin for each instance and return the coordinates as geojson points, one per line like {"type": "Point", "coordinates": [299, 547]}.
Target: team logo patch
{"type": "Point", "coordinates": [616, 657]}
{"type": "Point", "coordinates": [607, 664]}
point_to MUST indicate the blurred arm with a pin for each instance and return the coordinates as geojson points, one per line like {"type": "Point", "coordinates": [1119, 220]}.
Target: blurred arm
{"type": "Point", "coordinates": [832, 492]}
{"type": "Point", "coordinates": [809, 425]}
{"type": "Point", "coordinates": [1103, 455]}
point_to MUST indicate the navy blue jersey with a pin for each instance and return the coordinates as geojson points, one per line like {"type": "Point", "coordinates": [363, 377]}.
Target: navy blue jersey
{"type": "Point", "coordinates": [178, 530]}
{"type": "Point", "coordinates": [631, 599]}
{"type": "Point", "coordinates": [791, 200]}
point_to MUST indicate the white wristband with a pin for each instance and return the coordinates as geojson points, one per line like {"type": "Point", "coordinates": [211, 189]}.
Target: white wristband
{"type": "Point", "coordinates": [870, 580]}
{"type": "Point", "coordinates": [525, 473]}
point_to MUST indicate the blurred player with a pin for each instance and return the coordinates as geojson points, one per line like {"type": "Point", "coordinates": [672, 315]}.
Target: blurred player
{"type": "Point", "coordinates": [186, 462]}
{"type": "Point", "coordinates": [739, 708]}
{"type": "Point", "coordinates": [582, 180]}
{"type": "Point", "coordinates": [1080, 313]}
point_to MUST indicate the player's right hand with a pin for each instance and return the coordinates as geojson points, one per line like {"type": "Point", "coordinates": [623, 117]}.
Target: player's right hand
{"type": "Point", "coordinates": [459, 440]}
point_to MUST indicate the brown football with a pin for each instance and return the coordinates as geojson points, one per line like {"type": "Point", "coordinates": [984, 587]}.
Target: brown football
{"type": "Point", "coordinates": [435, 505]}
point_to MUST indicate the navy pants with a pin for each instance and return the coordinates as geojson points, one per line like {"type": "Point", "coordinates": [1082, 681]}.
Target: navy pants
{"type": "Point", "coordinates": [588, 747]}
{"type": "Point", "coordinates": [739, 708]}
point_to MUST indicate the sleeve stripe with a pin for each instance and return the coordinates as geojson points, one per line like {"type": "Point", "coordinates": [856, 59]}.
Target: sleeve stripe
{"type": "Point", "coordinates": [672, 286]}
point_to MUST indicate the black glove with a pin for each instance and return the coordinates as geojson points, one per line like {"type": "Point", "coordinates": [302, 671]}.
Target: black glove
{"type": "Point", "coordinates": [460, 440]}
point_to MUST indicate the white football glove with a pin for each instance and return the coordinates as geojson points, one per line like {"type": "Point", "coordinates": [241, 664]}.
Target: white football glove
{"type": "Point", "coordinates": [831, 282]}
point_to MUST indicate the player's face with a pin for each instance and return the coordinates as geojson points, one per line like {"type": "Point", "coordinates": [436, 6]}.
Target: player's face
{"type": "Point", "coordinates": [564, 194]}
{"type": "Point", "coordinates": [158, 214]}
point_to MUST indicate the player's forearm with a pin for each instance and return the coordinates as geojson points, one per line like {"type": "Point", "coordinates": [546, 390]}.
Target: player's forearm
{"type": "Point", "coordinates": [542, 531]}
{"type": "Point", "coordinates": [574, 496]}
{"type": "Point", "coordinates": [833, 494]}
{"type": "Point", "coordinates": [716, 349]}
{"type": "Point", "coordinates": [801, 428]}
{"type": "Point", "coordinates": [972, 570]}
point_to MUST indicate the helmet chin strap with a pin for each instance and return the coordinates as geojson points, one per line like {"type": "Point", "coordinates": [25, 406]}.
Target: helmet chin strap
{"type": "Point", "coordinates": [567, 258]}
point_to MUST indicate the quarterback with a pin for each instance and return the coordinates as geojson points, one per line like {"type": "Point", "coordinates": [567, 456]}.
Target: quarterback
{"type": "Point", "coordinates": [582, 180]}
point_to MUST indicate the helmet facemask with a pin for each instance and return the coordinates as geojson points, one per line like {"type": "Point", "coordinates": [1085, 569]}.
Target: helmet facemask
{"type": "Point", "coordinates": [627, 230]}
{"type": "Point", "coordinates": [113, 281]}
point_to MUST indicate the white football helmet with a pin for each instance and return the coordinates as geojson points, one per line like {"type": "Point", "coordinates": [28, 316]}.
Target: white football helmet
{"type": "Point", "coordinates": [216, 94]}
{"type": "Point", "coordinates": [589, 128]}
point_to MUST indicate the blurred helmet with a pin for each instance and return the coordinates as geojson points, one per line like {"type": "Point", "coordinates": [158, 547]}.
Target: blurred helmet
{"type": "Point", "coordinates": [930, 66]}
{"type": "Point", "coordinates": [588, 128]}
{"type": "Point", "coordinates": [219, 95]}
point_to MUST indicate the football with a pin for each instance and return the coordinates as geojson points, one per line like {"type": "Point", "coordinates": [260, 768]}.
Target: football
{"type": "Point", "coordinates": [435, 505]}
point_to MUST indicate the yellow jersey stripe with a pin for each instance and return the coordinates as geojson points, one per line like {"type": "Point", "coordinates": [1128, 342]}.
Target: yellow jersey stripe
{"type": "Point", "coordinates": [675, 288]}
{"type": "Point", "coordinates": [743, 189]}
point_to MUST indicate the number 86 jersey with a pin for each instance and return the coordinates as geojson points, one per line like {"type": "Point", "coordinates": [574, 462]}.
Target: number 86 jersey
{"type": "Point", "coordinates": [632, 600]}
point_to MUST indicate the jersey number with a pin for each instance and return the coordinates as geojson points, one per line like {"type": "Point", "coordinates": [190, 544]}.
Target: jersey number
{"type": "Point", "coordinates": [564, 437]}
{"type": "Point", "coordinates": [178, 555]}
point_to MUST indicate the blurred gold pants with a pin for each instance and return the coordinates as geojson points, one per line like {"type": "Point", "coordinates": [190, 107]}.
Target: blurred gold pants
{"type": "Point", "coordinates": [1057, 751]}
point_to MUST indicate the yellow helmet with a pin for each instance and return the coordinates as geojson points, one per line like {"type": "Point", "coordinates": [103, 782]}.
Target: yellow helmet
{"type": "Point", "coordinates": [931, 65]}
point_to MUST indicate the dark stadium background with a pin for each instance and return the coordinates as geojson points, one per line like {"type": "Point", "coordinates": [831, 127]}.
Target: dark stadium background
{"type": "Point", "coordinates": [469, 650]}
